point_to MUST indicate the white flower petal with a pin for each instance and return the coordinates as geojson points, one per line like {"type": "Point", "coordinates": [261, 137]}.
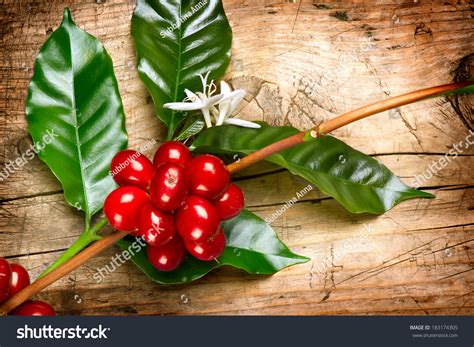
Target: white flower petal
{"type": "Point", "coordinates": [239, 95]}
{"type": "Point", "coordinates": [242, 123]}
{"type": "Point", "coordinates": [223, 112]}
{"type": "Point", "coordinates": [184, 106]}
{"type": "Point", "coordinates": [213, 100]}
{"type": "Point", "coordinates": [229, 102]}
{"type": "Point", "coordinates": [191, 96]}
{"type": "Point", "coordinates": [230, 95]}
{"type": "Point", "coordinates": [224, 109]}
{"type": "Point", "coordinates": [207, 117]}
{"type": "Point", "coordinates": [214, 112]}
{"type": "Point", "coordinates": [225, 88]}
{"type": "Point", "coordinates": [201, 96]}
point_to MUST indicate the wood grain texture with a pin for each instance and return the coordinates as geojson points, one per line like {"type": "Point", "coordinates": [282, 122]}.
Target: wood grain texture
{"type": "Point", "coordinates": [301, 63]}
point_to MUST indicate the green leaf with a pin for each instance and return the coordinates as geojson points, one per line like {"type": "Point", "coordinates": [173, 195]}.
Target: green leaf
{"type": "Point", "coordinates": [175, 41]}
{"type": "Point", "coordinates": [357, 181]}
{"type": "Point", "coordinates": [73, 97]}
{"type": "Point", "coordinates": [252, 245]}
{"type": "Point", "coordinates": [191, 128]}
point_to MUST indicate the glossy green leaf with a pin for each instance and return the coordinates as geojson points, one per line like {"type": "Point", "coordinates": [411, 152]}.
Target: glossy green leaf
{"type": "Point", "coordinates": [252, 245]}
{"type": "Point", "coordinates": [191, 128]}
{"type": "Point", "coordinates": [175, 41]}
{"type": "Point", "coordinates": [357, 181]}
{"type": "Point", "coordinates": [73, 95]}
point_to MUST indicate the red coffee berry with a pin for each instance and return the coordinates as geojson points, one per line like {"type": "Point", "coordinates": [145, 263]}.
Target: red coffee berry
{"type": "Point", "coordinates": [5, 278]}
{"type": "Point", "coordinates": [19, 280]}
{"type": "Point", "coordinates": [155, 226]}
{"type": "Point", "coordinates": [169, 186]}
{"type": "Point", "coordinates": [197, 220]}
{"type": "Point", "coordinates": [209, 176]}
{"type": "Point", "coordinates": [123, 205]}
{"type": "Point", "coordinates": [172, 152]}
{"type": "Point", "coordinates": [34, 308]}
{"type": "Point", "coordinates": [231, 203]}
{"type": "Point", "coordinates": [131, 168]}
{"type": "Point", "coordinates": [208, 250]}
{"type": "Point", "coordinates": [168, 256]}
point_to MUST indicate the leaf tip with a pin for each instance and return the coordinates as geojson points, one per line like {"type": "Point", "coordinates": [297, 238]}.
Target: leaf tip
{"type": "Point", "coordinates": [302, 259]}
{"type": "Point", "coordinates": [67, 17]}
{"type": "Point", "coordinates": [421, 194]}
{"type": "Point", "coordinates": [427, 195]}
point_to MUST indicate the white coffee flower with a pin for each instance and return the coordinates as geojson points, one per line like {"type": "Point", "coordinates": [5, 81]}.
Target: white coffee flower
{"type": "Point", "coordinates": [220, 105]}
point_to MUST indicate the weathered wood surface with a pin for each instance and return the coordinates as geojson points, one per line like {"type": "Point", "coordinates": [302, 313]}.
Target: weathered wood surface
{"type": "Point", "coordinates": [301, 62]}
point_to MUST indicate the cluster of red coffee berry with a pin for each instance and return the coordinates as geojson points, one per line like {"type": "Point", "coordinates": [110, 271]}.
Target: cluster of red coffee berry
{"type": "Point", "coordinates": [175, 203]}
{"type": "Point", "coordinates": [13, 278]}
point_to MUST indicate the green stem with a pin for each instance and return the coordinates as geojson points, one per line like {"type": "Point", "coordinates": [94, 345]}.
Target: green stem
{"type": "Point", "coordinates": [86, 238]}
{"type": "Point", "coordinates": [169, 137]}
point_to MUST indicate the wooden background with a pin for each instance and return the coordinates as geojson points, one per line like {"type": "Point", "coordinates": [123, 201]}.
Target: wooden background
{"type": "Point", "coordinates": [301, 62]}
